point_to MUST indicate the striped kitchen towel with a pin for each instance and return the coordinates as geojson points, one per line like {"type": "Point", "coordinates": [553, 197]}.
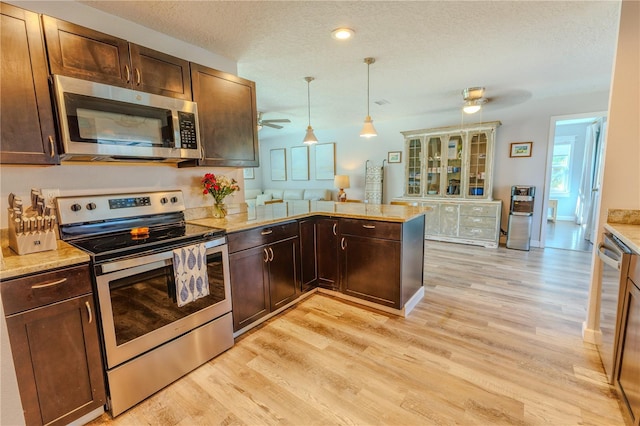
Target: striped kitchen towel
{"type": "Point", "coordinates": [190, 270]}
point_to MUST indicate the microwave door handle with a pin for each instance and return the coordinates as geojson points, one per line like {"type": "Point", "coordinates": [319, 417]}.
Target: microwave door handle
{"type": "Point", "coordinates": [606, 259]}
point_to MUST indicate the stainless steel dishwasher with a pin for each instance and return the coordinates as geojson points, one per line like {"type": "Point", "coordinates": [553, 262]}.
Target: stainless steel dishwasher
{"type": "Point", "coordinates": [615, 257]}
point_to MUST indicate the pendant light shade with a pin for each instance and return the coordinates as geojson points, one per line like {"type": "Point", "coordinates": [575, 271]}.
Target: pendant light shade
{"type": "Point", "coordinates": [368, 130]}
{"type": "Point", "coordinates": [309, 138]}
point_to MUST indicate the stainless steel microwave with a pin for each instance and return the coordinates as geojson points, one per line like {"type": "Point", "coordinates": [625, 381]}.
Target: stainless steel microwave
{"type": "Point", "coordinates": [99, 122]}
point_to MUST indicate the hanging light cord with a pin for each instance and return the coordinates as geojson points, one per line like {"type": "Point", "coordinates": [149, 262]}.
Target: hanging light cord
{"type": "Point", "coordinates": [309, 100]}
{"type": "Point", "coordinates": [368, 65]}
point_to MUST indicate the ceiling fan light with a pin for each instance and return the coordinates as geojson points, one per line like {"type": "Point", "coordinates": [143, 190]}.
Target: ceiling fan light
{"type": "Point", "coordinates": [471, 107]}
{"type": "Point", "coordinates": [368, 130]}
{"type": "Point", "coordinates": [342, 33]}
{"type": "Point", "coordinates": [310, 138]}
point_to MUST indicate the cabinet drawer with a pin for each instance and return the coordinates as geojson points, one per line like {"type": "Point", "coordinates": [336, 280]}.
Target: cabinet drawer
{"type": "Point", "coordinates": [243, 240]}
{"type": "Point", "coordinates": [477, 233]}
{"type": "Point", "coordinates": [371, 228]}
{"type": "Point", "coordinates": [476, 210]}
{"type": "Point", "coordinates": [43, 289]}
{"type": "Point", "coordinates": [478, 221]}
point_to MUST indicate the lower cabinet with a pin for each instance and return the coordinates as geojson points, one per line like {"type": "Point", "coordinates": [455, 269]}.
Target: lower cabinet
{"type": "Point", "coordinates": [51, 320]}
{"type": "Point", "coordinates": [264, 271]}
{"type": "Point", "coordinates": [327, 252]}
{"type": "Point", "coordinates": [467, 222]}
{"type": "Point", "coordinates": [627, 378]}
{"type": "Point", "coordinates": [308, 253]}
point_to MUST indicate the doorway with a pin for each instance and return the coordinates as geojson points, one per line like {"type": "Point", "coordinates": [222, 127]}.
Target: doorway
{"type": "Point", "coordinates": [572, 186]}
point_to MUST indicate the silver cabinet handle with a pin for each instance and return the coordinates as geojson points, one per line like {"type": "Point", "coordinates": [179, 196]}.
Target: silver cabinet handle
{"type": "Point", "coordinates": [266, 255]}
{"type": "Point", "coordinates": [369, 226]}
{"type": "Point", "coordinates": [271, 251]}
{"type": "Point", "coordinates": [138, 77]}
{"type": "Point", "coordinates": [127, 71]}
{"type": "Point", "coordinates": [335, 226]}
{"type": "Point", "coordinates": [49, 284]}
{"type": "Point", "coordinates": [51, 147]}
{"type": "Point", "coordinates": [343, 243]}
{"type": "Point", "coordinates": [267, 232]}
{"type": "Point", "coordinates": [89, 311]}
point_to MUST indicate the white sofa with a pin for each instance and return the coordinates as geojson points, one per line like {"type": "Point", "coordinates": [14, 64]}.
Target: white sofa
{"type": "Point", "coordinates": [257, 197]}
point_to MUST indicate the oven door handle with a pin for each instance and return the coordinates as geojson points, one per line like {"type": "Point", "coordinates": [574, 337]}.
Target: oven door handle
{"type": "Point", "coordinates": [606, 259]}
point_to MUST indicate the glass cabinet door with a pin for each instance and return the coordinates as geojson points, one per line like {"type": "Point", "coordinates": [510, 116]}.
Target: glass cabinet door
{"type": "Point", "coordinates": [414, 163]}
{"type": "Point", "coordinates": [454, 168]}
{"type": "Point", "coordinates": [477, 184]}
{"type": "Point", "coordinates": [434, 165]}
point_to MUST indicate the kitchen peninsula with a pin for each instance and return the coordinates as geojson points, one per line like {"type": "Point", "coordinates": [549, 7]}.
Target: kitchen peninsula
{"type": "Point", "coordinates": [368, 254]}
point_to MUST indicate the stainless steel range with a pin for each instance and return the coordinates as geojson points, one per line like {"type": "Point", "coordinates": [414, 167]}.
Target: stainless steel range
{"type": "Point", "coordinates": [148, 340]}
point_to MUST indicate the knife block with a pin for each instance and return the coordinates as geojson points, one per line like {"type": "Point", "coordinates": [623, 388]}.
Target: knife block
{"type": "Point", "coordinates": [31, 242]}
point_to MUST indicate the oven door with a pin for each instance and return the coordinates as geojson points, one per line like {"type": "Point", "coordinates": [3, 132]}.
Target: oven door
{"type": "Point", "coordinates": [137, 302]}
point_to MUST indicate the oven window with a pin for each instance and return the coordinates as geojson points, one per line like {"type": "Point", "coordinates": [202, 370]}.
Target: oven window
{"type": "Point", "coordinates": [103, 121]}
{"type": "Point", "coordinates": [145, 302]}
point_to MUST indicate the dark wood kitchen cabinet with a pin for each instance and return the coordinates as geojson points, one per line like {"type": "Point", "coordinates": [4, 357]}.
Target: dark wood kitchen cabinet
{"type": "Point", "coordinates": [81, 52]}
{"type": "Point", "coordinates": [26, 116]}
{"type": "Point", "coordinates": [228, 118]}
{"type": "Point", "coordinates": [264, 271]}
{"type": "Point", "coordinates": [381, 262]}
{"type": "Point", "coordinates": [327, 252]}
{"type": "Point", "coordinates": [627, 379]}
{"type": "Point", "coordinates": [51, 320]}
{"type": "Point", "coordinates": [308, 253]}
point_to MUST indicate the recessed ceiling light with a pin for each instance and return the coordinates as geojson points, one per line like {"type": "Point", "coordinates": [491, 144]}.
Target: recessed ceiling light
{"type": "Point", "coordinates": [342, 33]}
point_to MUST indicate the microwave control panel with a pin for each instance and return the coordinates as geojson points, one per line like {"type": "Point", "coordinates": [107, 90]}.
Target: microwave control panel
{"type": "Point", "coordinates": [188, 137]}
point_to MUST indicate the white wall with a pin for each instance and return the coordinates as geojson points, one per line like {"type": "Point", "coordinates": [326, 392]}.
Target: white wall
{"type": "Point", "coordinates": [528, 122]}
{"type": "Point", "coordinates": [621, 180]}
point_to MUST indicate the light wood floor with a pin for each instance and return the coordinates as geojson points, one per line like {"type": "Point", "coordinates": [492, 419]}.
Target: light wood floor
{"type": "Point", "coordinates": [496, 340]}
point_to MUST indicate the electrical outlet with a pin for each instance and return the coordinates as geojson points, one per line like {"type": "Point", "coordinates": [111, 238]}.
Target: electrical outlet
{"type": "Point", "coordinates": [50, 195]}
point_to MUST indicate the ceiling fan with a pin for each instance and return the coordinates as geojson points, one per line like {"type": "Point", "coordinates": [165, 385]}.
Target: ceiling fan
{"type": "Point", "coordinates": [269, 123]}
{"type": "Point", "coordinates": [473, 99]}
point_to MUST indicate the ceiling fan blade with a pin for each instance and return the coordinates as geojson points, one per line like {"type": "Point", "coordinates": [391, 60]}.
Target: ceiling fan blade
{"type": "Point", "coordinates": [275, 126]}
{"type": "Point", "coordinates": [278, 120]}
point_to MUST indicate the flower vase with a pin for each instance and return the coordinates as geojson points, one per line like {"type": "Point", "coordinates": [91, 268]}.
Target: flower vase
{"type": "Point", "coordinates": [219, 210]}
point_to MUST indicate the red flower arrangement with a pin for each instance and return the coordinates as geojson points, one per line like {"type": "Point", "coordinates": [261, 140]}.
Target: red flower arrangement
{"type": "Point", "coordinates": [218, 186]}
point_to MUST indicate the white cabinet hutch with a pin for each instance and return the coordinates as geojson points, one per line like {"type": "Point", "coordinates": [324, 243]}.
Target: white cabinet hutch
{"type": "Point", "coordinates": [450, 169]}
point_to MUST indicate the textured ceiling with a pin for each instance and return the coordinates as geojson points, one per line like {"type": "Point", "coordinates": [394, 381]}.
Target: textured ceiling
{"type": "Point", "coordinates": [426, 52]}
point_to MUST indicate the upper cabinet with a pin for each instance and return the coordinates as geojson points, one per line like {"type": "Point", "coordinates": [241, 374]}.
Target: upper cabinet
{"type": "Point", "coordinates": [228, 117]}
{"type": "Point", "coordinates": [80, 52]}
{"type": "Point", "coordinates": [26, 118]}
{"type": "Point", "coordinates": [450, 162]}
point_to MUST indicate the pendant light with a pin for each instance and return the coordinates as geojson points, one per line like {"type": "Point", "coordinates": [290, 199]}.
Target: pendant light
{"type": "Point", "coordinates": [368, 130]}
{"type": "Point", "coordinates": [309, 138]}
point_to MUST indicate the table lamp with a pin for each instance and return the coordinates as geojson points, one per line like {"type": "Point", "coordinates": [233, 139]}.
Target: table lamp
{"type": "Point", "coordinates": [341, 182]}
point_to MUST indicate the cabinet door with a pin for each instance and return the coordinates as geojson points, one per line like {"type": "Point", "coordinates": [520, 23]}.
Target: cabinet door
{"type": "Point", "coordinates": [434, 165]}
{"type": "Point", "coordinates": [228, 117]}
{"type": "Point", "coordinates": [454, 166]}
{"type": "Point", "coordinates": [283, 276]}
{"type": "Point", "coordinates": [159, 73]}
{"type": "Point", "coordinates": [80, 52]}
{"type": "Point", "coordinates": [628, 377]}
{"type": "Point", "coordinates": [414, 167]}
{"type": "Point", "coordinates": [308, 267]}
{"type": "Point", "coordinates": [327, 253]}
{"type": "Point", "coordinates": [26, 116]}
{"type": "Point", "coordinates": [249, 286]}
{"type": "Point", "coordinates": [370, 269]}
{"type": "Point", "coordinates": [58, 363]}
{"type": "Point", "coordinates": [477, 184]}
{"type": "Point", "coordinates": [432, 218]}
{"type": "Point", "coordinates": [449, 220]}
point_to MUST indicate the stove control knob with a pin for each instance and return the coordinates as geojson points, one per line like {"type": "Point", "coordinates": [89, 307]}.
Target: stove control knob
{"type": "Point", "coordinates": [91, 206]}
{"type": "Point", "coordinates": [174, 200]}
{"type": "Point", "coordinates": [164, 200]}
{"type": "Point", "coordinates": [76, 207]}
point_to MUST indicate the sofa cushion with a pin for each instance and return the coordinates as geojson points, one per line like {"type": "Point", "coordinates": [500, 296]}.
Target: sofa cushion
{"type": "Point", "coordinates": [317, 194]}
{"type": "Point", "coordinates": [260, 199]}
{"type": "Point", "coordinates": [250, 194]}
{"type": "Point", "coordinates": [276, 194]}
{"type": "Point", "coordinates": [293, 194]}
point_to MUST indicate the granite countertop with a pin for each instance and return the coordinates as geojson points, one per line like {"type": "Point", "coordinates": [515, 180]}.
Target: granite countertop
{"type": "Point", "coordinates": [628, 234]}
{"type": "Point", "coordinates": [14, 265]}
{"type": "Point", "coordinates": [279, 212]}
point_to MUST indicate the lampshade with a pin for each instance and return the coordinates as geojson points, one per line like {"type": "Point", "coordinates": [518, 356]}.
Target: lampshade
{"type": "Point", "coordinates": [341, 181]}
{"type": "Point", "coordinates": [471, 107]}
{"type": "Point", "coordinates": [368, 130]}
{"type": "Point", "coordinates": [309, 138]}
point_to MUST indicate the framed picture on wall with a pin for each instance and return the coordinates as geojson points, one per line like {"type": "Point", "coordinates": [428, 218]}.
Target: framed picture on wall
{"type": "Point", "coordinates": [521, 149]}
{"type": "Point", "coordinates": [279, 164]}
{"type": "Point", "coordinates": [248, 173]}
{"type": "Point", "coordinates": [300, 163]}
{"type": "Point", "coordinates": [325, 161]}
{"type": "Point", "coordinates": [394, 157]}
